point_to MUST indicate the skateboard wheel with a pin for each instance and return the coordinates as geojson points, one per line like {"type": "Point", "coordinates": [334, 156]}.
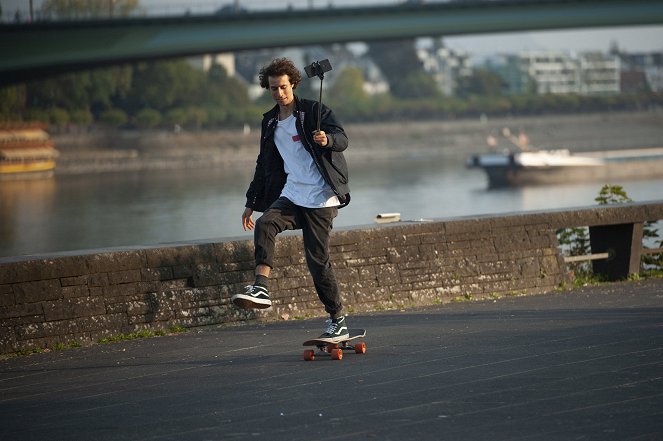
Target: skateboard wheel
{"type": "Point", "coordinates": [337, 354]}
{"type": "Point", "coordinates": [360, 348]}
{"type": "Point", "coordinates": [309, 355]}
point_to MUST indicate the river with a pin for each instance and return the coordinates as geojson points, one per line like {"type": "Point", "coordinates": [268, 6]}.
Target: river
{"type": "Point", "coordinates": [75, 212]}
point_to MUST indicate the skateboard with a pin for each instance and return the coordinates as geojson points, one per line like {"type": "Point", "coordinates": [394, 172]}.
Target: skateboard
{"type": "Point", "coordinates": [336, 349]}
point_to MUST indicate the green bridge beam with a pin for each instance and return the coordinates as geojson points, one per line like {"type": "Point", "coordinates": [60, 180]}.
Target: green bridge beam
{"type": "Point", "coordinates": [33, 50]}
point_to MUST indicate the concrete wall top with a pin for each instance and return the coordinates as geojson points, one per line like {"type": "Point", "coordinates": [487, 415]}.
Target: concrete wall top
{"type": "Point", "coordinates": [558, 218]}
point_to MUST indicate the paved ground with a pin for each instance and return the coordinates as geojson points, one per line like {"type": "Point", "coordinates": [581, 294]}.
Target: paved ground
{"type": "Point", "coordinates": [586, 364]}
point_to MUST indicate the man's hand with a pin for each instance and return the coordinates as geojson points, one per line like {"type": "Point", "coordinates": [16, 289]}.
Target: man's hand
{"type": "Point", "coordinates": [247, 220]}
{"type": "Point", "coordinates": [320, 138]}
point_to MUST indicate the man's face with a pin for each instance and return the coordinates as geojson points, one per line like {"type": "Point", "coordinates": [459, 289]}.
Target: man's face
{"type": "Point", "coordinates": [281, 90]}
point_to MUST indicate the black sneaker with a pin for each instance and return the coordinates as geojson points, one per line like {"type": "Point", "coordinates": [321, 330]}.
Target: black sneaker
{"type": "Point", "coordinates": [255, 297]}
{"type": "Point", "coordinates": [337, 330]}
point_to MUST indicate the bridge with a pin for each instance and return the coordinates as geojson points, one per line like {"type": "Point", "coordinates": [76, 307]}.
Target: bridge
{"type": "Point", "coordinates": [46, 48]}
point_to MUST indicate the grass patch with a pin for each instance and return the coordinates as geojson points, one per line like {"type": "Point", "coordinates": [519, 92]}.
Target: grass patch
{"type": "Point", "coordinates": [175, 329]}
{"type": "Point", "coordinates": [652, 274]}
{"type": "Point", "coordinates": [587, 279]}
{"type": "Point", "coordinates": [464, 298]}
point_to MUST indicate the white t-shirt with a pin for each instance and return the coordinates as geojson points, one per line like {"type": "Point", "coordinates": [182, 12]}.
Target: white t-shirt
{"type": "Point", "coordinates": [305, 185]}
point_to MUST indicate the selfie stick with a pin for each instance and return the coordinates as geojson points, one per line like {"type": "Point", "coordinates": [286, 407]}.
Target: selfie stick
{"type": "Point", "coordinates": [318, 68]}
{"type": "Point", "coordinates": [321, 75]}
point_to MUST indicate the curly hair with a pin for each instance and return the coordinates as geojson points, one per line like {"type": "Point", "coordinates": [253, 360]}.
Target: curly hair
{"type": "Point", "coordinates": [278, 67]}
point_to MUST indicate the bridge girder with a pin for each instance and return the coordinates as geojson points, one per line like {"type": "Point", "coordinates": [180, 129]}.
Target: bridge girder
{"type": "Point", "coordinates": [33, 50]}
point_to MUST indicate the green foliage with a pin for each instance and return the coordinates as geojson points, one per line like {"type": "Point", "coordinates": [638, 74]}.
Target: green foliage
{"type": "Point", "coordinates": [175, 117]}
{"type": "Point", "coordinates": [162, 85]}
{"type": "Point", "coordinates": [186, 96]}
{"type": "Point", "coordinates": [482, 82]}
{"type": "Point", "coordinates": [196, 117]}
{"type": "Point", "coordinates": [81, 117]}
{"type": "Point", "coordinates": [36, 114]}
{"type": "Point", "coordinates": [420, 85]}
{"type": "Point", "coordinates": [114, 117]}
{"type": "Point", "coordinates": [146, 333]}
{"type": "Point", "coordinates": [575, 241]}
{"type": "Point", "coordinates": [348, 93]}
{"type": "Point", "coordinates": [58, 117]}
{"type": "Point", "coordinates": [397, 60]}
{"type": "Point", "coordinates": [12, 101]}
{"type": "Point", "coordinates": [615, 194]}
{"type": "Point", "coordinates": [147, 118]}
{"type": "Point", "coordinates": [612, 194]}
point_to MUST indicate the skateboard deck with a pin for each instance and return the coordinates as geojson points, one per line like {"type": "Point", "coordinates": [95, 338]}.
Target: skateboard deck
{"type": "Point", "coordinates": [336, 349]}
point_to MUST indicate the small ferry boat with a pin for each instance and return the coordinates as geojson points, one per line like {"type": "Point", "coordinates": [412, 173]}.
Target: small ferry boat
{"type": "Point", "coordinates": [540, 167]}
{"type": "Point", "coordinates": [26, 151]}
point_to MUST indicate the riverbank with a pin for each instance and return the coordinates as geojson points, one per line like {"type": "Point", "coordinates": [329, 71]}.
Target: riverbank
{"type": "Point", "coordinates": [131, 150]}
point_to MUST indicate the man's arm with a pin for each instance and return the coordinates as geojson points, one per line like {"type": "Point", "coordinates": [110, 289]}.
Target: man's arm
{"type": "Point", "coordinates": [337, 140]}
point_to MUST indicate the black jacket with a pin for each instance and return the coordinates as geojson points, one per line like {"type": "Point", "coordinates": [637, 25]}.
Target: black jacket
{"type": "Point", "coordinates": [270, 175]}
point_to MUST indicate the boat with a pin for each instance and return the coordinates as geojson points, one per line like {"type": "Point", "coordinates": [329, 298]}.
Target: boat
{"type": "Point", "coordinates": [527, 166]}
{"type": "Point", "coordinates": [26, 152]}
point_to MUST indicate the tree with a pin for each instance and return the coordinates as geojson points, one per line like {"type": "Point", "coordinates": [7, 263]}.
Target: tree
{"type": "Point", "coordinates": [420, 85]}
{"type": "Point", "coordinates": [147, 118]}
{"type": "Point", "coordinates": [482, 82]}
{"type": "Point", "coordinates": [162, 85]}
{"type": "Point", "coordinates": [397, 60]}
{"type": "Point", "coordinates": [114, 117]}
{"type": "Point", "coordinates": [12, 101]}
{"type": "Point", "coordinates": [223, 85]}
{"type": "Point", "coordinates": [348, 93]}
{"type": "Point", "coordinates": [107, 86]}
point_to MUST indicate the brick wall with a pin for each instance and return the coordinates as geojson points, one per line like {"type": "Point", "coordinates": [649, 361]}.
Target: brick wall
{"type": "Point", "coordinates": [83, 297]}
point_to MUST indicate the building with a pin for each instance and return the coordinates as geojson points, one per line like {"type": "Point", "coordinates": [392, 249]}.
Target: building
{"type": "Point", "coordinates": [552, 72]}
{"type": "Point", "coordinates": [599, 74]}
{"type": "Point", "coordinates": [647, 65]}
{"type": "Point", "coordinates": [205, 62]}
{"type": "Point", "coordinates": [507, 67]}
{"type": "Point", "coordinates": [445, 65]}
{"type": "Point", "coordinates": [557, 72]}
{"type": "Point", "coordinates": [249, 63]}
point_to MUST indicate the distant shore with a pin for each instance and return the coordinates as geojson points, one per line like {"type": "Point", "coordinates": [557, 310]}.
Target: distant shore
{"type": "Point", "coordinates": [131, 150]}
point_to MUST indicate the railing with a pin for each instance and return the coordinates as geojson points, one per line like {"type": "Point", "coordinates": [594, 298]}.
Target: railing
{"type": "Point", "coordinates": [615, 236]}
{"type": "Point", "coordinates": [23, 14]}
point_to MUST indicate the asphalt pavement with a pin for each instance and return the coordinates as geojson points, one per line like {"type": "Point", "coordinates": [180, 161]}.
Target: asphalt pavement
{"type": "Point", "coordinates": [585, 364]}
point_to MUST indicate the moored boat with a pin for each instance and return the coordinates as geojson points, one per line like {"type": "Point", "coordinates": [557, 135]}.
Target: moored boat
{"type": "Point", "coordinates": [540, 167]}
{"type": "Point", "coordinates": [26, 151]}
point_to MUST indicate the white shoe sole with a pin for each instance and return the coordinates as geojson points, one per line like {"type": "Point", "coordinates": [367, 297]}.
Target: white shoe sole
{"type": "Point", "coordinates": [243, 301]}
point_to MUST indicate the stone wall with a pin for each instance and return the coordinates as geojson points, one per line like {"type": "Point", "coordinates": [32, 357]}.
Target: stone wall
{"type": "Point", "coordinates": [85, 296]}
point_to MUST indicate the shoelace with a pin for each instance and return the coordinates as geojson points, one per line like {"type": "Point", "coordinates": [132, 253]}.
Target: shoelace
{"type": "Point", "coordinates": [249, 289]}
{"type": "Point", "coordinates": [331, 326]}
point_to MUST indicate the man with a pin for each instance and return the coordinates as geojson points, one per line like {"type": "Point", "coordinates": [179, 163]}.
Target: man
{"type": "Point", "coordinates": [300, 182]}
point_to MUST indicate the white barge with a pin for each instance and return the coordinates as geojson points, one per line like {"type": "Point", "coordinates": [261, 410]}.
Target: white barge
{"type": "Point", "coordinates": [526, 166]}
{"type": "Point", "coordinates": [512, 169]}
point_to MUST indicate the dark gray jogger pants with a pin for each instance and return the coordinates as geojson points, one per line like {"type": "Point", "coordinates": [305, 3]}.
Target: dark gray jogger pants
{"type": "Point", "coordinates": [316, 226]}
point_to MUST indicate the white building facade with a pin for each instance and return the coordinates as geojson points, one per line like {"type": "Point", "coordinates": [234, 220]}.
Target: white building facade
{"type": "Point", "coordinates": [445, 65]}
{"type": "Point", "coordinates": [557, 72]}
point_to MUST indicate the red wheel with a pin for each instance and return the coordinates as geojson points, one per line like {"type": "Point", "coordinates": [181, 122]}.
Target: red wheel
{"type": "Point", "coordinates": [337, 354]}
{"type": "Point", "coordinates": [309, 355]}
{"type": "Point", "coordinates": [360, 348]}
